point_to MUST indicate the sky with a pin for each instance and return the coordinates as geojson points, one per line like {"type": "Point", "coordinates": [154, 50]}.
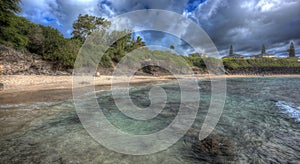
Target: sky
{"type": "Point", "coordinates": [246, 25]}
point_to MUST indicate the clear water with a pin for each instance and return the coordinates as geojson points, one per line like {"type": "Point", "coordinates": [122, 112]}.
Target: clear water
{"type": "Point", "coordinates": [260, 124]}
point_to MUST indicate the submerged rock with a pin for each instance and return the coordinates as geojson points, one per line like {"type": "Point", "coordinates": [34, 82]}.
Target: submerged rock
{"type": "Point", "coordinates": [214, 149]}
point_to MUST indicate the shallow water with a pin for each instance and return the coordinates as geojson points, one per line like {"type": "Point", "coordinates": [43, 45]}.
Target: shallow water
{"type": "Point", "coordinates": [261, 121]}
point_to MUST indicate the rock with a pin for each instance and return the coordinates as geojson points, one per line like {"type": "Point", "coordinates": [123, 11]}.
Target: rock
{"type": "Point", "coordinates": [1, 86]}
{"type": "Point", "coordinates": [70, 71]}
{"type": "Point", "coordinates": [1, 69]}
{"type": "Point", "coordinates": [59, 73]}
{"type": "Point", "coordinates": [214, 149]}
{"type": "Point", "coordinates": [97, 74]}
{"type": "Point", "coordinates": [13, 62]}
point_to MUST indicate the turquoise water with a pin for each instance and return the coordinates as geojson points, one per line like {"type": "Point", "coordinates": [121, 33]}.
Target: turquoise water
{"type": "Point", "coordinates": [260, 124]}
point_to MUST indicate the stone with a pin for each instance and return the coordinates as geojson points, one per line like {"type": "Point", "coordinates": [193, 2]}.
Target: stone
{"type": "Point", "coordinates": [13, 62]}
{"type": "Point", "coordinates": [1, 69]}
{"type": "Point", "coordinates": [97, 74]}
{"type": "Point", "coordinates": [1, 86]}
{"type": "Point", "coordinates": [214, 149]}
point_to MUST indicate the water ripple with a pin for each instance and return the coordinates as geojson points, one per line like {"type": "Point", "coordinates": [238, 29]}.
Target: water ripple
{"type": "Point", "coordinates": [289, 109]}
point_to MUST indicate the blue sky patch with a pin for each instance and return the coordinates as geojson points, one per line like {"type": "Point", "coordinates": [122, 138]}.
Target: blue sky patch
{"type": "Point", "coordinates": [193, 4]}
{"type": "Point", "coordinates": [48, 19]}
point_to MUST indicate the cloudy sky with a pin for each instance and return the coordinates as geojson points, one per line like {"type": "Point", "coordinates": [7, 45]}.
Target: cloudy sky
{"type": "Point", "coordinates": [244, 24]}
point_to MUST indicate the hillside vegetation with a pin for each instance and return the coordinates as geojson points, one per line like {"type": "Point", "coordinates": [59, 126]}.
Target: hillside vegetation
{"type": "Point", "coordinates": [50, 45]}
{"type": "Point", "coordinates": [252, 66]}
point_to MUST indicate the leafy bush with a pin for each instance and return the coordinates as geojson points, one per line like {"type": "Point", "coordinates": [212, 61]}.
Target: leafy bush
{"type": "Point", "coordinates": [232, 64]}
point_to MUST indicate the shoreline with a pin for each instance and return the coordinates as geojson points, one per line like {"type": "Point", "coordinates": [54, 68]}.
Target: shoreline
{"type": "Point", "coordinates": [40, 88]}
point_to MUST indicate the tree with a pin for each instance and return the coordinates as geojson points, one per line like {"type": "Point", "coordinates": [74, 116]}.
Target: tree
{"type": "Point", "coordinates": [231, 51]}
{"type": "Point", "coordinates": [53, 40]}
{"type": "Point", "coordinates": [196, 60]}
{"type": "Point", "coordinates": [172, 47]}
{"type": "Point", "coordinates": [36, 40]}
{"type": "Point", "coordinates": [263, 49]}
{"type": "Point", "coordinates": [7, 9]}
{"type": "Point", "coordinates": [65, 55]}
{"type": "Point", "coordinates": [118, 49]}
{"type": "Point", "coordinates": [86, 24]}
{"type": "Point", "coordinates": [134, 44]}
{"type": "Point", "coordinates": [125, 43]}
{"type": "Point", "coordinates": [139, 42]}
{"type": "Point", "coordinates": [291, 50]}
{"type": "Point", "coordinates": [16, 33]}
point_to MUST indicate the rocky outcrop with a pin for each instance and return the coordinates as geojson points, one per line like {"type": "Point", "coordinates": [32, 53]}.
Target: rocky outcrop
{"type": "Point", "coordinates": [13, 62]}
{"type": "Point", "coordinates": [197, 70]}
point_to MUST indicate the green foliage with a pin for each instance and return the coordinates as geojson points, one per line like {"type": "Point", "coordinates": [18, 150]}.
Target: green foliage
{"type": "Point", "coordinates": [86, 24]}
{"type": "Point", "coordinates": [291, 50]}
{"type": "Point", "coordinates": [232, 64]}
{"type": "Point", "coordinates": [90, 54]}
{"type": "Point", "coordinates": [53, 40]}
{"type": "Point", "coordinates": [16, 33]}
{"type": "Point", "coordinates": [119, 48]}
{"type": "Point", "coordinates": [235, 63]}
{"type": "Point", "coordinates": [45, 41]}
{"type": "Point", "coordinates": [123, 44]}
{"type": "Point", "coordinates": [65, 54]}
{"type": "Point", "coordinates": [196, 60]}
{"type": "Point", "coordinates": [7, 10]}
{"type": "Point", "coordinates": [10, 34]}
{"type": "Point", "coordinates": [48, 42]}
{"type": "Point", "coordinates": [106, 62]}
{"type": "Point", "coordinates": [143, 56]}
{"type": "Point", "coordinates": [135, 44]}
{"type": "Point", "coordinates": [36, 40]}
{"type": "Point", "coordinates": [122, 41]}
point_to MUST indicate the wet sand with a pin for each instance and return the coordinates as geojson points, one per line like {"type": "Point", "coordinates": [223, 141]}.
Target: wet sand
{"type": "Point", "coordinates": [29, 89]}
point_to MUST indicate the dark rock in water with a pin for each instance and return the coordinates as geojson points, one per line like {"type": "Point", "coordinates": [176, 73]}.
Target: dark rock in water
{"type": "Point", "coordinates": [214, 149]}
{"type": "Point", "coordinates": [1, 86]}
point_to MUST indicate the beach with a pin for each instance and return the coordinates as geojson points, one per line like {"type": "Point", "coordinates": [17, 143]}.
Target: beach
{"type": "Point", "coordinates": [35, 88]}
{"type": "Point", "coordinates": [41, 88]}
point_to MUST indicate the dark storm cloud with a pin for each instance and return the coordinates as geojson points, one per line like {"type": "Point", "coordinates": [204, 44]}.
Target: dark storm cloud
{"type": "Point", "coordinates": [121, 6]}
{"type": "Point", "coordinates": [249, 24]}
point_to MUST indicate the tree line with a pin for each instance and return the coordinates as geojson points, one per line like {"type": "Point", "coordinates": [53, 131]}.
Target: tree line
{"type": "Point", "coordinates": [23, 35]}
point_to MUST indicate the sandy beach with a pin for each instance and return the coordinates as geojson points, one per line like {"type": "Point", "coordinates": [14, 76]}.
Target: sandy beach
{"type": "Point", "coordinates": [35, 88]}
{"type": "Point", "coordinates": [39, 88]}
